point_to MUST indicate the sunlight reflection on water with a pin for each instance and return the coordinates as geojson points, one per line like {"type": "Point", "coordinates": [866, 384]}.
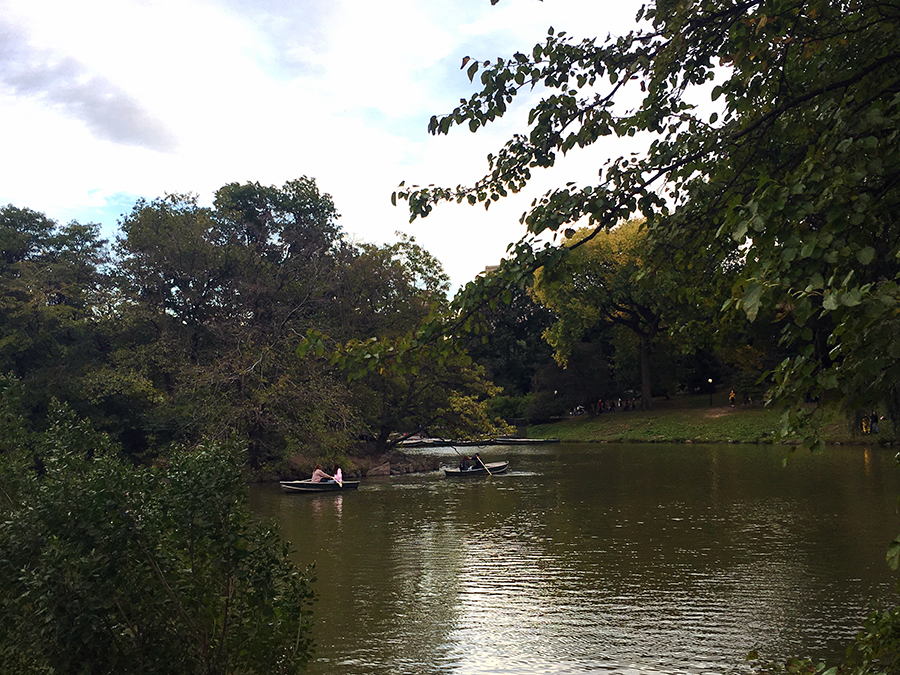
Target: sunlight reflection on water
{"type": "Point", "coordinates": [596, 559]}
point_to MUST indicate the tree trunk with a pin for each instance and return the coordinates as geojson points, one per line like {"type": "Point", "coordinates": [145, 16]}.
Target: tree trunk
{"type": "Point", "coordinates": [382, 441]}
{"type": "Point", "coordinates": [646, 388]}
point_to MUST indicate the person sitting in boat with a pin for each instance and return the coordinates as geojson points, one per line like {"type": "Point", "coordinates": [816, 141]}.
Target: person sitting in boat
{"type": "Point", "coordinates": [476, 461]}
{"type": "Point", "coordinates": [464, 464]}
{"type": "Point", "coordinates": [319, 475]}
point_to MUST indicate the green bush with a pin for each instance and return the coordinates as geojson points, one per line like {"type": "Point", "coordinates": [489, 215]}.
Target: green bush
{"type": "Point", "coordinates": [543, 405]}
{"type": "Point", "coordinates": [507, 407]}
{"type": "Point", "coordinates": [107, 567]}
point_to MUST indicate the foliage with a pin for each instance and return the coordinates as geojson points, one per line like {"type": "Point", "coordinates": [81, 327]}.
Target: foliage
{"type": "Point", "coordinates": [51, 279]}
{"type": "Point", "coordinates": [877, 647]}
{"type": "Point", "coordinates": [216, 299]}
{"type": "Point", "coordinates": [507, 407]}
{"type": "Point", "coordinates": [192, 333]}
{"type": "Point", "coordinates": [404, 387]}
{"type": "Point", "coordinates": [223, 294]}
{"type": "Point", "coordinates": [874, 650]}
{"type": "Point", "coordinates": [405, 375]}
{"type": "Point", "coordinates": [510, 345]}
{"type": "Point", "coordinates": [110, 568]}
{"type": "Point", "coordinates": [787, 174]}
{"type": "Point", "coordinates": [387, 290]}
{"type": "Point", "coordinates": [606, 280]}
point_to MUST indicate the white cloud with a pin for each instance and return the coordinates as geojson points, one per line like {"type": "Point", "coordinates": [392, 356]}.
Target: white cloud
{"type": "Point", "coordinates": [145, 97]}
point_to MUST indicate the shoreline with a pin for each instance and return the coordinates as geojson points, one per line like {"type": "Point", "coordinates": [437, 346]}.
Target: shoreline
{"type": "Point", "coordinates": [686, 421]}
{"type": "Point", "coordinates": [692, 421]}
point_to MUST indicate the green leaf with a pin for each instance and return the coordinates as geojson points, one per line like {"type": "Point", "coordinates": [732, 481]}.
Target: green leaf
{"type": "Point", "coordinates": [472, 70]}
{"type": "Point", "coordinates": [866, 255]}
{"type": "Point", "coordinates": [893, 554]}
{"type": "Point", "coordinates": [851, 298]}
{"type": "Point", "coordinates": [752, 299]}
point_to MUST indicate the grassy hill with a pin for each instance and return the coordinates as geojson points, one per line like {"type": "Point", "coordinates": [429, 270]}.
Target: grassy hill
{"type": "Point", "coordinates": [693, 420]}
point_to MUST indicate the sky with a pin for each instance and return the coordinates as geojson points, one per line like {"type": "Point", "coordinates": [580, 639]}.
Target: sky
{"type": "Point", "coordinates": [103, 102]}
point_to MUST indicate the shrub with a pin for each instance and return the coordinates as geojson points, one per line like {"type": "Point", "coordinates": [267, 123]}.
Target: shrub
{"type": "Point", "coordinates": [112, 568]}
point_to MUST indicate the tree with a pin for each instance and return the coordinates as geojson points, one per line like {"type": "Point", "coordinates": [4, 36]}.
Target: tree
{"type": "Point", "coordinates": [109, 567]}
{"type": "Point", "coordinates": [429, 390]}
{"type": "Point", "coordinates": [400, 386]}
{"type": "Point", "coordinates": [606, 281]}
{"type": "Point", "coordinates": [789, 168]}
{"type": "Point", "coordinates": [386, 290]}
{"type": "Point", "coordinates": [295, 221]}
{"type": "Point", "coordinates": [216, 299]}
{"type": "Point", "coordinates": [511, 347]}
{"type": "Point", "coordinates": [52, 279]}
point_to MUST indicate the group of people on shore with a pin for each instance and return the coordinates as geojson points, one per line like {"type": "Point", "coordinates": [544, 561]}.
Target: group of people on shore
{"type": "Point", "coordinates": [617, 405]}
{"type": "Point", "coordinates": [870, 423]}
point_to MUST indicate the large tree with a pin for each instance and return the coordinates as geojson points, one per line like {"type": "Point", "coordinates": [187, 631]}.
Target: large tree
{"type": "Point", "coordinates": [215, 299]}
{"type": "Point", "coordinates": [402, 386]}
{"type": "Point", "coordinates": [511, 346]}
{"type": "Point", "coordinates": [764, 129]}
{"type": "Point", "coordinates": [606, 281]}
{"type": "Point", "coordinates": [52, 279]}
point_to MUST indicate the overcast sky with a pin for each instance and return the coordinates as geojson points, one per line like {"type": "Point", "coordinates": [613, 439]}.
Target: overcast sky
{"type": "Point", "coordinates": [106, 101]}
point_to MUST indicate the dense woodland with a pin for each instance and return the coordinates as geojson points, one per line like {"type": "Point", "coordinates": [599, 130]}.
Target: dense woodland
{"type": "Point", "coordinates": [186, 329]}
{"type": "Point", "coordinates": [751, 241]}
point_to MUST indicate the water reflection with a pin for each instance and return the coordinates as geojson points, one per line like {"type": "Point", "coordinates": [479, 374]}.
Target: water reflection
{"type": "Point", "coordinates": [328, 506]}
{"type": "Point", "coordinates": [596, 559]}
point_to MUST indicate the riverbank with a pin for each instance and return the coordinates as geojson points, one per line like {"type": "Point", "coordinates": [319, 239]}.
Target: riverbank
{"type": "Point", "coordinates": [693, 420]}
{"type": "Point", "coordinates": [681, 420]}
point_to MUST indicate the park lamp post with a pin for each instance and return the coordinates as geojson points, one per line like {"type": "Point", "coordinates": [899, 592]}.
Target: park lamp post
{"type": "Point", "coordinates": [710, 392]}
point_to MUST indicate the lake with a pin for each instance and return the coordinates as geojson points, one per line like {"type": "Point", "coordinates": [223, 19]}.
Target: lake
{"type": "Point", "coordinates": [601, 558]}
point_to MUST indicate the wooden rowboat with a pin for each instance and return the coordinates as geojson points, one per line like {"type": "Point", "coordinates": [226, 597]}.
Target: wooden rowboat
{"type": "Point", "coordinates": [322, 486]}
{"type": "Point", "coordinates": [495, 467]}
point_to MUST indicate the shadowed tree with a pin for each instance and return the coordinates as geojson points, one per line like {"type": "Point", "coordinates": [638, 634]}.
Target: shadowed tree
{"type": "Point", "coordinates": [792, 164]}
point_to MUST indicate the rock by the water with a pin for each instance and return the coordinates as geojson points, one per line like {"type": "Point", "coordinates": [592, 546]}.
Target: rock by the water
{"type": "Point", "coordinates": [381, 470]}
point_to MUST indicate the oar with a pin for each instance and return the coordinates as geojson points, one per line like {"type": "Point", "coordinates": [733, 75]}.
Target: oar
{"type": "Point", "coordinates": [481, 461]}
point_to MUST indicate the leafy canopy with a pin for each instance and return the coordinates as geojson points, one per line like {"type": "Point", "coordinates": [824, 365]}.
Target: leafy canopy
{"type": "Point", "coordinates": [766, 136]}
{"type": "Point", "coordinates": [607, 281]}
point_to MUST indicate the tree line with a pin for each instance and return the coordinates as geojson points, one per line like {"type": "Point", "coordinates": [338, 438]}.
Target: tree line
{"type": "Point", "coordinates": [755, 233]}
{"type": "Point", "coordinates": [185, 328]}
{"type": "Point", "coordinates": [194, 324]}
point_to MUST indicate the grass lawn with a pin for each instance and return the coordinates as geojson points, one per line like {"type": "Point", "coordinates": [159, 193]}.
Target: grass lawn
{"type": "Point", "coordinates": [692, 419]}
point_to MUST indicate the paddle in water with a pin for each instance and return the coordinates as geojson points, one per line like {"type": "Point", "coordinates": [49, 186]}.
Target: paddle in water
{"type": "Point", "coordinates": [480, 461]}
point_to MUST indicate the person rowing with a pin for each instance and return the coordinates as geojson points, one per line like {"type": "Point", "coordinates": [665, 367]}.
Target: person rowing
{"type": "Point", "coordinates": [479, 463]}
{"type": "Point", "coordinates": [318, 475]}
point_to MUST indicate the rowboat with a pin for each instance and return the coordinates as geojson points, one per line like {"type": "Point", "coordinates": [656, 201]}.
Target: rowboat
{"type": "Point", "coordinates": [494, 467]}
{"type": "Point", "coordinates": [512, 440]}
{"type": "Point", "coordinates": [322, 486]}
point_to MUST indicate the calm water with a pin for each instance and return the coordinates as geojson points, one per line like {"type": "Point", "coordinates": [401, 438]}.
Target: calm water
{"type": "Point", "coordinates": [597, 559]}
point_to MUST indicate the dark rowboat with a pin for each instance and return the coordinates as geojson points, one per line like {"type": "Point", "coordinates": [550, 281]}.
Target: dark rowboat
{"type": "Point", "coordinates": [322, 486]}
{"type": "Point", "coordinates": [495, 467]}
